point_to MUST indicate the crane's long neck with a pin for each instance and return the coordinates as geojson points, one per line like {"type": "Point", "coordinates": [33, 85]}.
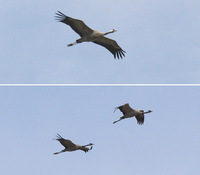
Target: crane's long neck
{"type": "Point", "coordinates": [147, 112]}
{"type": "Point", "coordinates": [90, 144]}
{"type": "Point", "coordinates": [107, 33]}
{"type": "Point", "coordinates": [111, 31]}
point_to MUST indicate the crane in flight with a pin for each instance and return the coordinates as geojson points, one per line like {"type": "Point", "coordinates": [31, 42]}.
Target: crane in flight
{"type": "Point", "coordinates": [70, 146]}
{"type": "Point", "coordinates": [89, 35]}
{"type": "Point", "coordinates": [129, 112]}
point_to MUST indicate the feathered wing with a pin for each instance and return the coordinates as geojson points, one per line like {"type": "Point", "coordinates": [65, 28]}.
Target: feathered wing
{"type": "Point", "coordinates": [77, 25]}
{"type": "Point", "coordinates": [140, 118]}
{"type": "Point", "coordinates": [124, 108]}
{"type": "Point", "coordinates": [66, 143]}
{"type": "Point", "coordinates": [111, 45]}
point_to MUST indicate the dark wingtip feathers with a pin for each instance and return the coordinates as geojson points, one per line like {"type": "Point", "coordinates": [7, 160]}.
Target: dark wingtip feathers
{"type": "Point", "coordinates": [115, 110]}
{"type": "Point", "coordinates": [140, 123]}
{"type": "Point", "coordinates": [119, 54]}
{"type": "Point", "coordinates": [60, 16]}
{"type": "Point", "coordinates": [58, 137]}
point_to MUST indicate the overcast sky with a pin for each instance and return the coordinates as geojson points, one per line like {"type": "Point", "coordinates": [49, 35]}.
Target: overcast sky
{"type": "Point", "coordinates": [167, 143]}
{"type": "Point", "coordinates": [160, 37]}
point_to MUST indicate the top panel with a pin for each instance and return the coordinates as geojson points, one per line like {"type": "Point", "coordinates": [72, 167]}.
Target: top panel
{"type": "Point", "coordinates": [156, 42]}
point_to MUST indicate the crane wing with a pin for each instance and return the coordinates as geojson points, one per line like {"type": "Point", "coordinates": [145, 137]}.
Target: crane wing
{"type": "Point", "coordinates": [111, 45]}
{"type": "Point", "coordinates": [66, 143]}
{"type": "Point", "coordinates": [77, 25]}
{"type": "Point", "coordinates": [124, 108]}
{"type": "Point", "coordinates": [140, 118]}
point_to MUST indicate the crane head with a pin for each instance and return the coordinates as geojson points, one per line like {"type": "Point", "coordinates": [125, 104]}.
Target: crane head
{"type": "Point", "coordinates": [113, 30]}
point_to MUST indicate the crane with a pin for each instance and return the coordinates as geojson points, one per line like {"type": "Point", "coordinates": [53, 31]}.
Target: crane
{"type": "Point", "coordinates": [129, 112]}
{"type": "Point", "coordinates": [89, 35]}
{"type": "Point", "coordinates": [70, 146]}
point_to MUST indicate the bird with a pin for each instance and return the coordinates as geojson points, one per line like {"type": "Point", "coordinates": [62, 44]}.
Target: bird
{"type": "Point", "coordinates": [89, 35]}
{"type": "Point", "coordinates": [70, 146]}
{"type": "Point", "coordinates": [129, 112]}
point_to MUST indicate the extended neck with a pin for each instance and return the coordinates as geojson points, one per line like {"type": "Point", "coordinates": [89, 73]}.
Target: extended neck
{"type": "Point", "coordinates": [111, 31]}
{"type": "Point", "coordinates": [90, 144]}
{"type": "Point", "coordinates": [107, 33]}
{"type": "Point", "coordinates": [147, 112]}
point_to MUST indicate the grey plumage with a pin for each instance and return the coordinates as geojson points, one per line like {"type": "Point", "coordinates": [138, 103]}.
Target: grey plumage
{"type": "Point", "coordinates": [88, 34]}
{"type": "Point", "coordinates": [70, 146]}
{"type": "Point", "coordinates": [129, 112]}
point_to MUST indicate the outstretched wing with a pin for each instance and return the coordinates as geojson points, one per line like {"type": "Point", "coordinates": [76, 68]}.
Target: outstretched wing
{"type": "Point", "coordinates": [77, 25]}
{"type": "Point", "coordinates": [66, 143]}
{"type": "Point", "coordinates": [111, 45]}
{"type": "Point", "coordinates": [140, 118]}
{"type": "Point", "coordinates": [124, 108]}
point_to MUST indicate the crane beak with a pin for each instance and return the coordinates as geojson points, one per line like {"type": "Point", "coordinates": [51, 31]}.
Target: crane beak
{"type": "Point", "coordinates": [113, 30]}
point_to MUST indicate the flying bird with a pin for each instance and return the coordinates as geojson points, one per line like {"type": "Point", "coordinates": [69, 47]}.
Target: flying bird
{"type": "Point", "coordinates": [87, 34]}
{"type": "Point", "coordinates": [129, 112]}
{"type": "Point", "coordinates": [70, 146]}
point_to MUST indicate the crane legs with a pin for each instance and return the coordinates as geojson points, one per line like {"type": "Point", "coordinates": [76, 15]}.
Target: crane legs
{"type": "Point", "coordinates": [59, 152]}
{"type": "Point", "coordinates": [118, 120]}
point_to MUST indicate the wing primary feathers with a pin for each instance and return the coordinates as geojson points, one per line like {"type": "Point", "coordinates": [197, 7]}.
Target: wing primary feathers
{"type": "Point", "coordinates": [60, 16]}
{"type": "Point", "coordinates": [59, 136]}
{"type": "Point", "coordinates": [118, 55]}
{"type": "Point", "coordinates": [115, 109]}
{"type": "Point", "coordinates": [123, 53]}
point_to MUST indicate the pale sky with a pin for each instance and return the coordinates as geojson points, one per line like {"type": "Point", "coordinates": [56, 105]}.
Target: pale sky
{"type": "Point", "coordinates": [161, 40]}
{"type": "Point", "coordinates": [160, 37]}
{"type": "Point", "coordinates": [167, 143]}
